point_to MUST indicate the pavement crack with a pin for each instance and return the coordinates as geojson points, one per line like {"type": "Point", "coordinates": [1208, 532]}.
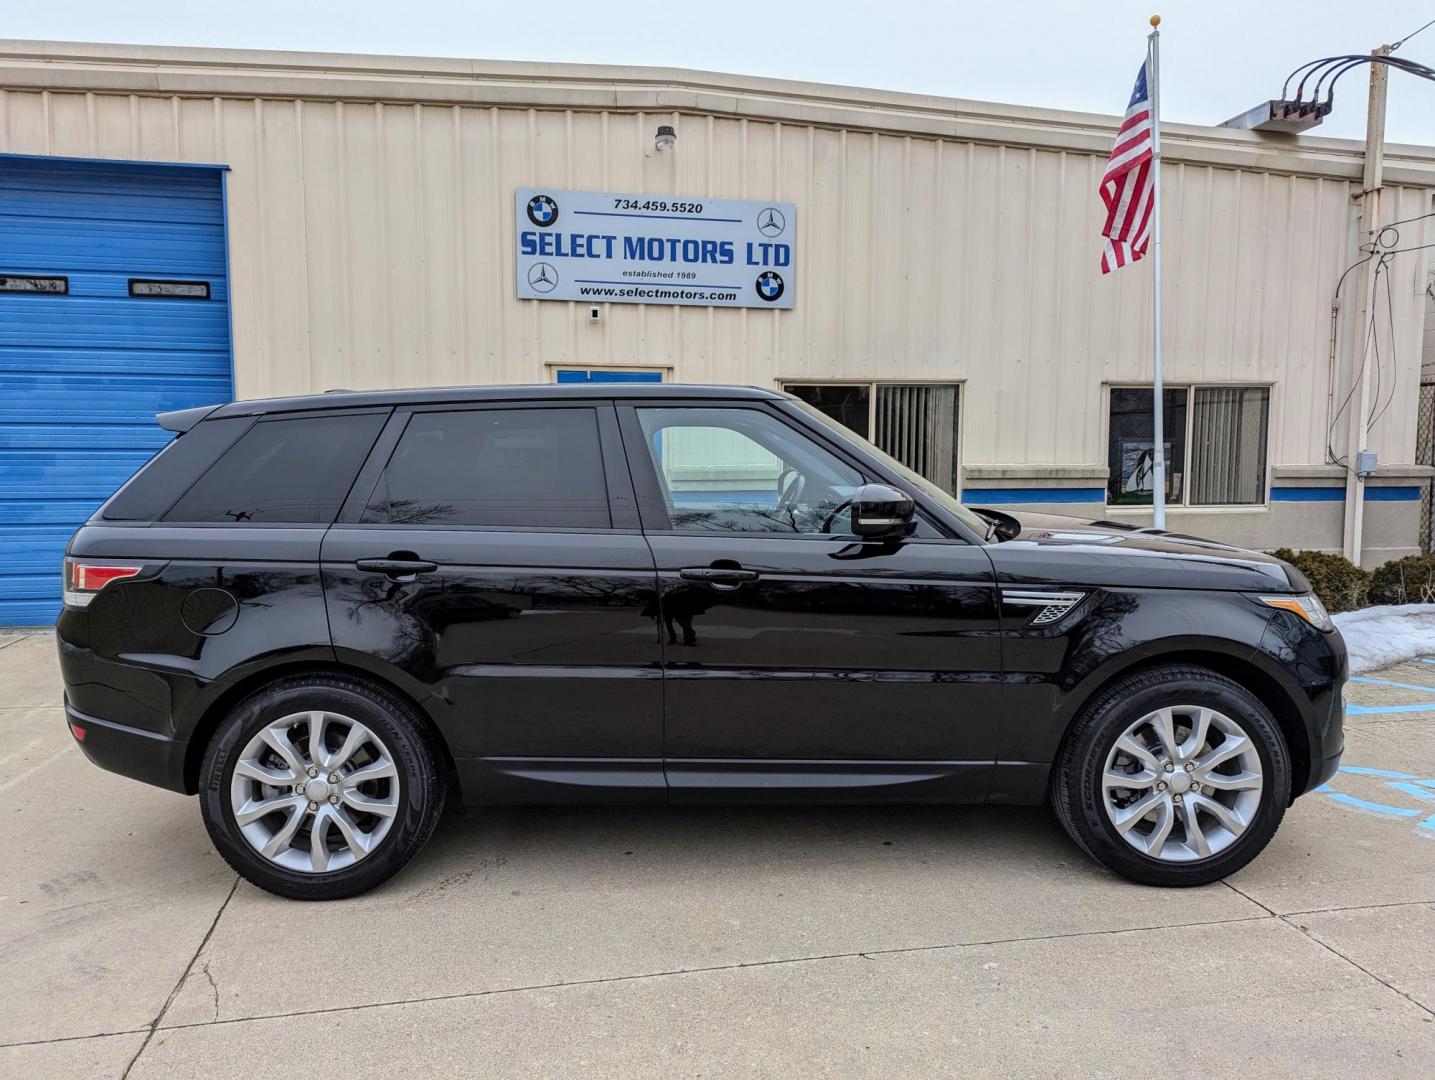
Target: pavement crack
{"type": "Point", "coordinates": [1359, 967]}
{"type": "Point", "coordinates": [72, 1038]}
{"type": "Point", "coordinates": [1359, 907]}
{"type": "Point", "coordinates": [213, 987]}
{"type": "Point", "coordinates": [1248, 896]}
{"type": "Point", "coordinates": [154, 1025]}
{"type": "Point", "coordinates": [867, 954]}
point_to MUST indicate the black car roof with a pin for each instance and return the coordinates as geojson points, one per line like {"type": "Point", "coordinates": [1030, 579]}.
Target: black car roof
{"type": "Point", "coordinates": [183, 419]}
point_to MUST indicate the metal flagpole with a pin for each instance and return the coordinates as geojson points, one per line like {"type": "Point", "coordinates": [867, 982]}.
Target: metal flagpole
{"type": "Point", "coordinates": [1158, 456]}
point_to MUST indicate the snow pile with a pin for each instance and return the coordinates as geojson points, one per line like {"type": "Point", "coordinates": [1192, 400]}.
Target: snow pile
{"type": "Point", "coordinates": [1380, 636]}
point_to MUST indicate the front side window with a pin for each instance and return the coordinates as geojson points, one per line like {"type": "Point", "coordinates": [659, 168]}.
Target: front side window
{"type": "Point", "coordinates": [537, 468]}
{"type": "Point", "coordinates": [283, 471]}
{"type": "Point", "coordinates": [1215, 439]}
{"type": "Point", "coordinates": [744, 470]}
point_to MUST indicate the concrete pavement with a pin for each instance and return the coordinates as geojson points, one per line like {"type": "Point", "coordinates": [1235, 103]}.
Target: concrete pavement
{"type": "Point", "coordinates": [623, 942]}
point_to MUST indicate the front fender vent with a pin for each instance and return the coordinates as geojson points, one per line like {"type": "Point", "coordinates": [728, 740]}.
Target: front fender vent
{"type": "Point", "coordinates": [1051, 606]}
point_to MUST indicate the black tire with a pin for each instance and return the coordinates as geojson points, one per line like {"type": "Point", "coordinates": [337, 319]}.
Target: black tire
{"type": "Point", "coordinates": [421, 782]}
{"type": "Point", "coordinates": [1077, 795]}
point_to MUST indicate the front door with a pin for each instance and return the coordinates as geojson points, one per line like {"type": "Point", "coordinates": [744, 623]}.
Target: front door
{"type": "Point", "coordinates": [799, 657]}
{"type": "Point", "coordinates": [490, 558]}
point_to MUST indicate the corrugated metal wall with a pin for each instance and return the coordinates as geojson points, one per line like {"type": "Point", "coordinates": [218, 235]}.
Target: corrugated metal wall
{"type": "Point", "coordinates": [372, 246]}
{"type": "Point", "coordinates": [83, 372]}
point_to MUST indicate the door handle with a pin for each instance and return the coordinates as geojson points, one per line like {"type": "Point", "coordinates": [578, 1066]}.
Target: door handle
{"type": "Point", "coordinates": [719, 577]}
{"type": "Point", "coordinates": [399, 569]}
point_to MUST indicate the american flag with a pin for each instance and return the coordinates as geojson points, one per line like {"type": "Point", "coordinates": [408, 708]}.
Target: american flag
{"type": "Point", "coordinates": [1126, 186]}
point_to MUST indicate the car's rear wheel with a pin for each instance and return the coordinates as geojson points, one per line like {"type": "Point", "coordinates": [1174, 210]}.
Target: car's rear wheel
{"type": "Point", "coordinates": [1174, 776]}
{"type": "Point", "coordinates": [320, 787]}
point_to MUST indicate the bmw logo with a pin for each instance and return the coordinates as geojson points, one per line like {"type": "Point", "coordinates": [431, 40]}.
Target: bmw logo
{"type": "Point", "coordinates": [542, 211]}
{"type": "Point", "coordinates": [770, 286]}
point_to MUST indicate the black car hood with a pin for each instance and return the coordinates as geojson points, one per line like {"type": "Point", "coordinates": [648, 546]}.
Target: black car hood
{"type": "Point", "coordinates": [1080, 552]}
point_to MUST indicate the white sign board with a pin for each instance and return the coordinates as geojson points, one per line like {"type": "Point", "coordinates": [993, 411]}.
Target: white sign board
{"type": "Point", "coordinates": [608, 247]}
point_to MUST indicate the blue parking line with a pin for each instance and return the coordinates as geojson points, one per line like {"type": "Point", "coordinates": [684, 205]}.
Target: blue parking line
{"type": "Point", "coordinates": [1397, 685]}
{"type": "Point", "coordinates": [1374, 807]}
{"type": "Point", "coordinates": [1362, 770]}
{"type": "Point", "coordinates": [1362, 710]}
{"type": "Point", "coordinates": [1415, 789]}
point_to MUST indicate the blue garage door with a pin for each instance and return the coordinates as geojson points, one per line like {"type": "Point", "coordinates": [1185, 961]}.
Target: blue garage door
{"type": "Point", "coordinates": [114, 306]}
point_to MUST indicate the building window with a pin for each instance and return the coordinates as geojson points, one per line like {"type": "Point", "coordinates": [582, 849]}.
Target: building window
{"type": "Point", "coordinates": [914, 422]}
{"type": "Point", "coordinates": [1215, 440]}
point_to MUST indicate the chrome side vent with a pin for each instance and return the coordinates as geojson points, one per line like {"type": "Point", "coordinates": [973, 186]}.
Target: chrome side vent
{"type": "Point", "coordinates": [1051, 605]}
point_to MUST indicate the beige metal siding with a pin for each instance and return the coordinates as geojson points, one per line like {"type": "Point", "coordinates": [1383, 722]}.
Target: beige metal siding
{"type": "Point", "coordinates": [371, 245]}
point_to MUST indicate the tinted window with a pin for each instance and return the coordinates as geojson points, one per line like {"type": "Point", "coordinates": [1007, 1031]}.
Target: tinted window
{"type": "Point", "coordinates": [289, 471]}
{"type": "Point", "coordinates": [519, 467]}
{"type": "Point", "coordinates": [155, 487]}
{"type": "Point", "coordinates": [744, 470]}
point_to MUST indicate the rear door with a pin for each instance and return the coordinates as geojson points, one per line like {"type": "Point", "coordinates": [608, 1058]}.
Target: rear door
{"type": "Point", "coordinates": [491, 559]}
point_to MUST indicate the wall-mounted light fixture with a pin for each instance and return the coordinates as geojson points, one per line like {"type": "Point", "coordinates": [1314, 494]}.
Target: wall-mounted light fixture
{"type": "Point", "coordinates": [666, 137]}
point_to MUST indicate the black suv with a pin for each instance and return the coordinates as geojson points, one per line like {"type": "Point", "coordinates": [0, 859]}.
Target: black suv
{"type": "Point", "coordinates": [323, 614]}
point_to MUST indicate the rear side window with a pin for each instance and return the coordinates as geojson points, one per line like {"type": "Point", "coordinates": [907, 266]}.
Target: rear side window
{"type": "Point", "coordinates": [514, 467]}
{"type": "Point", "coordinates": [170, 472]}
{"type": "Point", "coordinates": [286, 471]}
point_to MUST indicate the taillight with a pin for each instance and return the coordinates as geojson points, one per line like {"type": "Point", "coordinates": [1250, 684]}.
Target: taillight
{"type": "Point", "coordinates": [83, 580]}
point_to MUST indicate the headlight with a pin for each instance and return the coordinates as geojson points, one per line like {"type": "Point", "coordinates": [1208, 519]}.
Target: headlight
{"type": "Point", "coordinates": [1307, 606]}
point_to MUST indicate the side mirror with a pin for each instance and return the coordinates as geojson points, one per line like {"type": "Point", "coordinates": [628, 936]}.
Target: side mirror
{"type": "Point", "coordinates": [880, 512]}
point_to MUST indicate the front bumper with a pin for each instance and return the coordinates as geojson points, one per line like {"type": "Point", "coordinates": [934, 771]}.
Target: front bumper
{"type": "Point", "coordinates": [129, 751]}
{"type": "Point", "coordinates": [1332, 744]}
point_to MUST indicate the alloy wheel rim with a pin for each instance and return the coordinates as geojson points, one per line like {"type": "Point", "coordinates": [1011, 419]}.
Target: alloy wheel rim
{"type": "Point", "coordinates": [314, 792]}
{"type": "Point", "coordinates": [1182, 783]}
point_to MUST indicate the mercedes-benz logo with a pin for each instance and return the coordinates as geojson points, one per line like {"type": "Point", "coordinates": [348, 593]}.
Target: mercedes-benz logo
{"type": "Point", "coordinates": [771, 222]}
{"type": "Point", "coordinates": [542, 277]}
{"type": "Point", "coordinates": [542, 211]}
{"type": "Point", "coordinates": [770, 286]}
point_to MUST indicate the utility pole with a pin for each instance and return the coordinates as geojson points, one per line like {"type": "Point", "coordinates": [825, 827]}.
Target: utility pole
{"type": "Point", "coordinates": [1367, 233]}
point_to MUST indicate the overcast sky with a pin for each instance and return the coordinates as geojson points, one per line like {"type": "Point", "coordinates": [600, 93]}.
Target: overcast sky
{"type": "Point", "coordinates": [1218, 57]}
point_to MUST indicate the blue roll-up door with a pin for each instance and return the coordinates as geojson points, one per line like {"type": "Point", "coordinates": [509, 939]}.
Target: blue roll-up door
{"type": "Point", "coordinates": [114, 305]}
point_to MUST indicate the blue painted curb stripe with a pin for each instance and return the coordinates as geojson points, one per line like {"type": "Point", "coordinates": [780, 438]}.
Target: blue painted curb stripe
{"type": "Point", "coordinates": [980, 496]}
{"type": "Point", "coordinates": [1337, 494]}
{"type": "Point", "coordinates": [1307, 494]}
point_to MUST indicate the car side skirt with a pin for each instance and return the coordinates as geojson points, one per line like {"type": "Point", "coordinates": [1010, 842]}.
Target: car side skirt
{"type": "Point", "coordinates": [507, 781]}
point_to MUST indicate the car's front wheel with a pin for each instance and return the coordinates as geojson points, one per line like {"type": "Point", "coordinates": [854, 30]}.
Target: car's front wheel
{"type": "Point", "coordinates": [320, 787]}
{"type": "Point", "coordinates": [1174, 776]}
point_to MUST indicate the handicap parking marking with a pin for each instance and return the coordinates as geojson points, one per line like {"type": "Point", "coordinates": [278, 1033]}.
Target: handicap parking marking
{"type": "Point", "coordinates": [1355, 709]}
{"type": "Point", "coordinates": [1419, 787]}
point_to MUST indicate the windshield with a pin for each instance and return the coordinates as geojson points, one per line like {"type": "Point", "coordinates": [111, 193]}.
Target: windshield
{"type": "Point", "coordinates": [970, 519]}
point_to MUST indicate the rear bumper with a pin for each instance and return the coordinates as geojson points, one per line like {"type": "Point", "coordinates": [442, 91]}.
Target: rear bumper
{"type": "Point", "coordinates": [129, 751]}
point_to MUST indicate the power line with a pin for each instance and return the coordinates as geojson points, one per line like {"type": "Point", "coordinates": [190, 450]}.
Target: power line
{"type": "Point", "coordinates": [1410, 35]}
